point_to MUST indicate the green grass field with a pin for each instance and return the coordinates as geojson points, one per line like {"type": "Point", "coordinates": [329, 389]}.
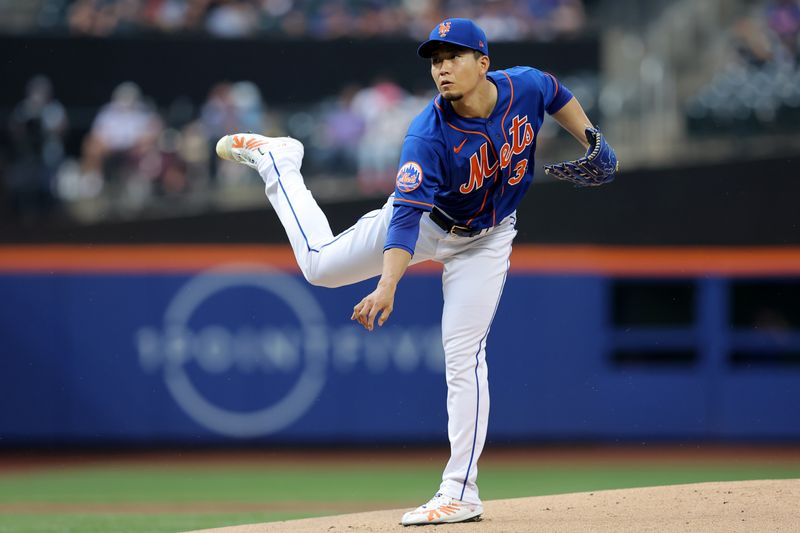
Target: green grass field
{"type": "Point", "coordinates": [164, 498]}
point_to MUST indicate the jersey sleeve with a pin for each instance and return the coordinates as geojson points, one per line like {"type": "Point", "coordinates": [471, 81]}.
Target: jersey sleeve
{"type": "Point", "coordinates": [403, 229]}
{"type": "Point", "coordinates": [556, 95]}
{"type": "Point", "coordinates": [419, 175]}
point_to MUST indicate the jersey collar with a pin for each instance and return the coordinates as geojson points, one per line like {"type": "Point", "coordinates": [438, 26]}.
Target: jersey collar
{"type": "Point", "coordinates": [500, 105]}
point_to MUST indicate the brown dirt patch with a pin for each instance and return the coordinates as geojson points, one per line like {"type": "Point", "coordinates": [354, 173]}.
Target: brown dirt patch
{"type": "Point", "coordinates": [744, 506]}
{"type": "Point", "coordinates": [16, 462]}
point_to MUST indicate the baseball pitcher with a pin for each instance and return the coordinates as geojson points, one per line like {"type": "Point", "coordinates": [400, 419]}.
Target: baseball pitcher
{"type": "Point", "coordinates": [466, 162]}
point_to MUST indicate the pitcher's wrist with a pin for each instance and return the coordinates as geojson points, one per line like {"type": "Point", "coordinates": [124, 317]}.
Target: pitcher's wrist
{"type": "Point", "coordinates": [388, 283]}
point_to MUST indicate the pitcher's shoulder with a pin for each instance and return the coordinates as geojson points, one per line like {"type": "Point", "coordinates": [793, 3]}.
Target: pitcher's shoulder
{"type": "Point", "coordinates": [427, 125]}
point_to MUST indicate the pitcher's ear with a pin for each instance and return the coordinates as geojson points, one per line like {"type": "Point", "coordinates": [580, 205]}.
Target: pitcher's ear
{"type": "Point", "coordinates": [485, 63]}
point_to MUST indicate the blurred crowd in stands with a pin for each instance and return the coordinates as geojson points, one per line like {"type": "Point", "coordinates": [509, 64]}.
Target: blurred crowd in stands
{"type": "Point", "coordinates": [501, 19]}
{"type": "Point", "coordinates": [758, 88]}
{"type": "Point", "coordinates": [132, 157]}
{"type": "Point", "coordinates": [133, 154]}
{"type": "Point", "coordinates": [37, 128]}
{"type": "Point", "coordinates": [136, 159]}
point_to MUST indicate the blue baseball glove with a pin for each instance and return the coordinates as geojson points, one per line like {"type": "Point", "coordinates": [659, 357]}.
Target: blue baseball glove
{"type": "Point", "coordinates": [597, 167]}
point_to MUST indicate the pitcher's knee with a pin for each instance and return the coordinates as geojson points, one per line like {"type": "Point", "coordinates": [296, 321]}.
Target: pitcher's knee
{"type": "Point", "coordinates": [321, 279]}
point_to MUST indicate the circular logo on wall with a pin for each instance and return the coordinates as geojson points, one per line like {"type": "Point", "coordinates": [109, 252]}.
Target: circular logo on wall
{"type": "Point", "coordinates": [200, 348]}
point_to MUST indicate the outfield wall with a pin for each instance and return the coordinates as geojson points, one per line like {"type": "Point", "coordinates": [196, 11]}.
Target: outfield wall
{"type": "Point", "coordinates": [213, 344]}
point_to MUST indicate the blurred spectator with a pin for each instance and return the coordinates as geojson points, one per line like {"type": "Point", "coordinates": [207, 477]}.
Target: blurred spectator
{"type": "Point", "coordinates": [249, 106]}
{"type": "Point", "coordinates": [758, 90]}
{"type": "Point", "coordinates": [101, 18]}
{"type": "Point", "coordinates": [232, 18]}
{"type": "Point", "coordinates": [218, 113]}
{"type": "Point", "coordinates": [336, 141]}
{"type": "Point", "coordinates": [331, 21]}
{"type": "Point", "coordinates": [566, 17]}
{"type": "Point", "coordinates": [783, 18]}
{"type": "Point", "coordinates": [231, 107]}
{"type": "Point", "coordinates": [377, 20]}
{"type": "Point", "coordinates": [162, 168]}
{"type": "Point", "coordinates": [503, 20]}
{"type": "Point", "coordinates": [751, 41]}
{"type": "Point", "coordinates": [123, 132]}
{"type": "Point", "coordinates": [386, 110]}
{"type": "Point", "coordinates": [166, 15]}
{"type": "Point", "coordinates": [37, 129]}
{"type": "Point", "coordinates": [196, 152]}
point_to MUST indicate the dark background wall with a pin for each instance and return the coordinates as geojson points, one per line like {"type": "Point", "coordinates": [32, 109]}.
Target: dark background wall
{"type": "Point", "coordinates": [85, 71]}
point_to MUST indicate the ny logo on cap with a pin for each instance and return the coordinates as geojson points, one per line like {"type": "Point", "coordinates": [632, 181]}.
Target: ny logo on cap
{"type": "Point", "coordinates": [444, 27]}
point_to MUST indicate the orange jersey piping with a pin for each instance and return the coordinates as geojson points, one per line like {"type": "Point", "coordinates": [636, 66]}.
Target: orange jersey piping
{"type": "Point", "coordinates": [413, 202]}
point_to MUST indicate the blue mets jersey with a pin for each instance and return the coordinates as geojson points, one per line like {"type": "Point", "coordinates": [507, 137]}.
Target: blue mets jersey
{"type": "Point", "coordinates": [478, 169]}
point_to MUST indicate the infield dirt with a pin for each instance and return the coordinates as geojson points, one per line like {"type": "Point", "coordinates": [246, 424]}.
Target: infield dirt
{"type": "Point", "coordinates": [768, 505]}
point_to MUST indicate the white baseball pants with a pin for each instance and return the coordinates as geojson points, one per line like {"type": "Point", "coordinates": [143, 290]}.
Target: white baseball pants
{"type": "Point", "coordinates": [475, 270]}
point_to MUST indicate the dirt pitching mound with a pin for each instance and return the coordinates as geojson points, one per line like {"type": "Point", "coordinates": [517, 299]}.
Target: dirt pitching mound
{"type": "Point", "coordinates": [709, 507]}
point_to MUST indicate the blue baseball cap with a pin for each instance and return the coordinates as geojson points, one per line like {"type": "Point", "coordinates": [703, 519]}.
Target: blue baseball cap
{"type": "Point", "coordinates": [461, 32]}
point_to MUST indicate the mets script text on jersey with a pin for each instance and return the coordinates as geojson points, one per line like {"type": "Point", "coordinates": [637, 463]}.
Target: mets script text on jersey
{"type": "Point", "coordinates": [479, 169]}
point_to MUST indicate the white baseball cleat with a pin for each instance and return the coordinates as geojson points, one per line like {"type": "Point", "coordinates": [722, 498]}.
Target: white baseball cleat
{"type": "Point", "coordinates": [442, 509]}
{"type": "Point", "coordinates": [250, 148]}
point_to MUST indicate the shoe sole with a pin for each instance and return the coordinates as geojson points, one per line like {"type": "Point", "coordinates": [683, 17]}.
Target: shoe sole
{"type": "Point", "coordinates": [474, 518]}
{"type": "Point", "coordinates": [224, 148]}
